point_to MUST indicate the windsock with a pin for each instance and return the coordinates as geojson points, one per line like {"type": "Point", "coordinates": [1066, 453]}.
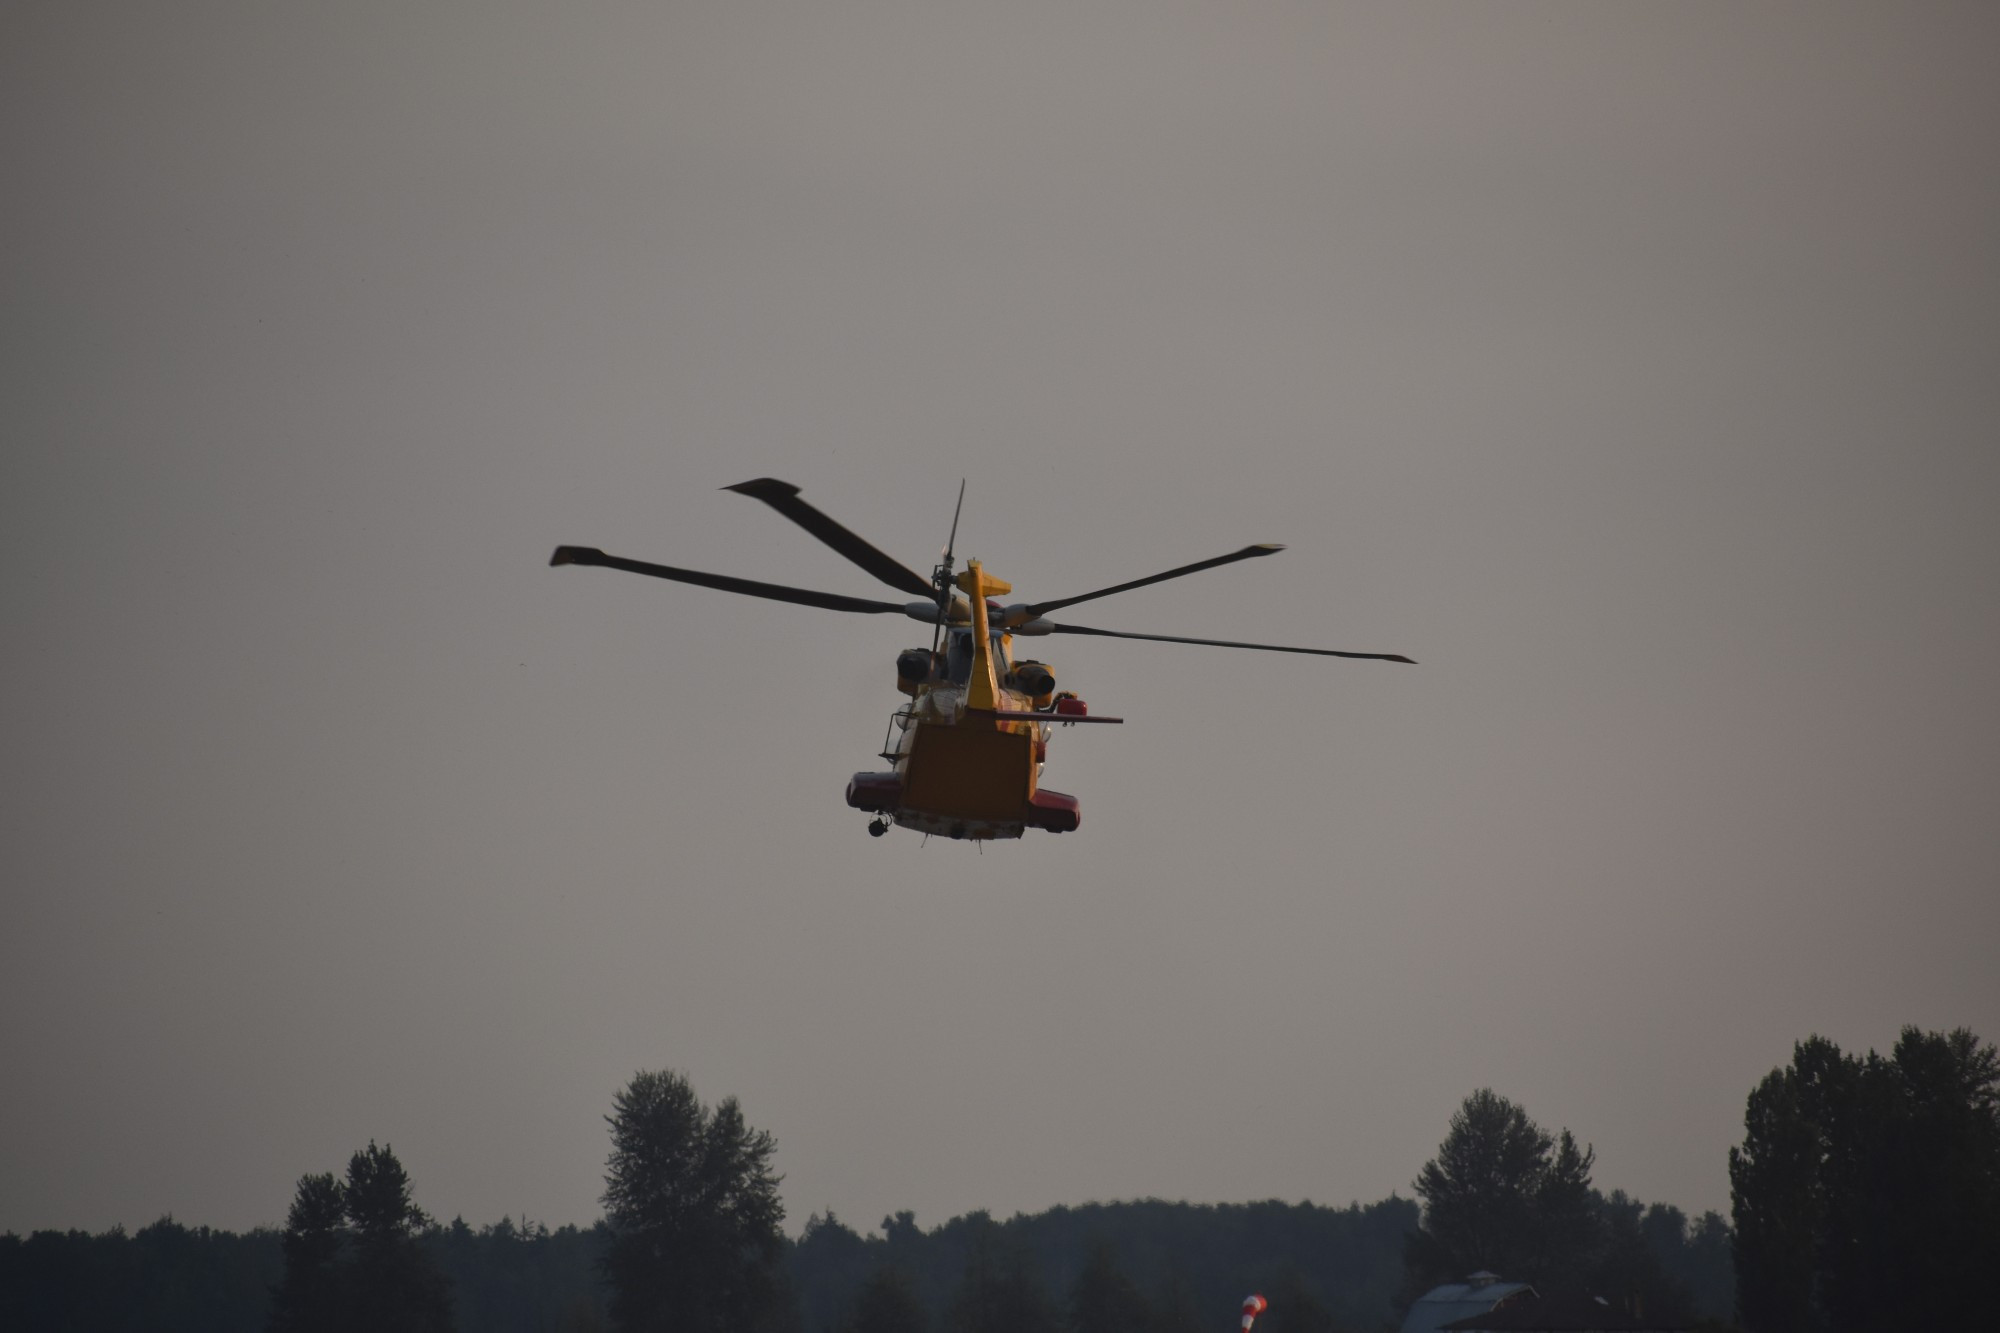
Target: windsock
{"type": "Point", "coordinates": [1252, 1307]}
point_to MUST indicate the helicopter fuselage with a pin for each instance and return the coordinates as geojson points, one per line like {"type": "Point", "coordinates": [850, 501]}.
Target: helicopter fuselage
{"type": "Point", "coordinates": [964, 772]}
{"type": "Point", "coordinates": [968, 748]}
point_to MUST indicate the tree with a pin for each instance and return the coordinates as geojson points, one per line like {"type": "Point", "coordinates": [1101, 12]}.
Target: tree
{"type": "Point", "coordinates": [352, 1257]}
{"type": "Point", "coordinates": [692, 1205]}
{"type": "Point", "coordinates": [828, 1267]}
{"type": "Point", "coordinates": [1777, 1186]}
{"type": "Point", "coordinates": [886, 1303]}
{"type": "Point", "coordinates": [1103, 1299]}
{"type": "Point", "coordinates": [1913, 1200]}
{"type": "Point", "coordinates": [998, 1291]}
{"type": "Point", "coordinates": [1630, 1272]}
{"type": "Point", "coordinates": [1866, 1190]}
{"type": "Point", "coordinates": [1707, 1267]}
{"type": "Point", "coordinates": [1692, 1260]}
{"type": "Point", "coordinates": [1569, 1215]}
{"type": "Point", "coordinates": [394, 1284]}
{"type": "Point", "coordinates": [1505, 1196]}
{"type": "Point", "coordinates": [311, 1298]}
{"type": "Point", "coordinates": [1175, 1307]}
{"type": "Point", "coordinates": [1294, 1309]}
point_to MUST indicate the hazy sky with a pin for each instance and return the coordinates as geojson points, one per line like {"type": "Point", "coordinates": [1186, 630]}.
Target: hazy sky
{"type": "Point", "coordinates": [1635, 368]}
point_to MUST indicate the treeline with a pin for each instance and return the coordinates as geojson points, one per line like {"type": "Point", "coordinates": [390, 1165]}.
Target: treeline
{"type": "Point", "coordinates": [1182, 1260]}
{"type": "Point", "coordinates": [1865, 1194]}
{"type": "Point", "coordinates": [1168, 1266]}
{"type": "Point", "coordinates": [1341, 1268]}
{"type": "Point", "coordinates": [169, 1278]}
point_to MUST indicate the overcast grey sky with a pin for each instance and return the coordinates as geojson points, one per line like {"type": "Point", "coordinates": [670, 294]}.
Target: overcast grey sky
{"type": "Point", "coordinates": [1632, 367]}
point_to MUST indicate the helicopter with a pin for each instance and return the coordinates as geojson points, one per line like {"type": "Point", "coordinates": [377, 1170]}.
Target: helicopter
{"type": "Point", "coordinates": [967, 748]}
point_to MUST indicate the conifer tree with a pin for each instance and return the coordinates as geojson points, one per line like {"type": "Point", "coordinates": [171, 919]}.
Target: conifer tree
{"type": "Point", "coordinates": [692, 1205]}
{"type": "Point", "coordinates": [311, 1297]}
{"type": "Point", "coordinates": [1505, 1196]}
{"type": "Point", "coordinates": [395, 1285]}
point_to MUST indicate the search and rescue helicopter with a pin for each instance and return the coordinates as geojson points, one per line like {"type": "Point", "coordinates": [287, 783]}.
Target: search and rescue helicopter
{"type": "Point", "coordinates": [967, 750]}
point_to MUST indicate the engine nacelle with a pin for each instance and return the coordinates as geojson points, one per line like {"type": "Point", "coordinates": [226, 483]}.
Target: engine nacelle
{"type": "Point", "coordinates": [1033, 679]}
{"type": "Point", "coordinates": [914, 666]}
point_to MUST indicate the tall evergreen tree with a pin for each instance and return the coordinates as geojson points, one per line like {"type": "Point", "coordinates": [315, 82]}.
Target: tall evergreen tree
{"type": "Point", "coordinates": [692, 1205]}
{"type": "Point", "coordinates": [395, 1284]}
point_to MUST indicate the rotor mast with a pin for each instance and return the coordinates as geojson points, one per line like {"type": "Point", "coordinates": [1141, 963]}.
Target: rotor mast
{"type": "Point", "coordinates": [941, 575]}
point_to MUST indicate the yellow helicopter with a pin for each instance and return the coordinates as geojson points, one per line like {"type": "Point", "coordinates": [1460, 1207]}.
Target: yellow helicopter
{"type": "Point", "coordinates": [967, 750]}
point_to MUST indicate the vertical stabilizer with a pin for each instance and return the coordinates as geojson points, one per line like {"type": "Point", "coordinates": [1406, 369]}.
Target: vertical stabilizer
{"type": "Point", "coordinates": [982, 692]}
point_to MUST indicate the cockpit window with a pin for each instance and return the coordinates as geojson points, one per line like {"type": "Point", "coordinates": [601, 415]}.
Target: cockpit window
{"type": "Point", "coordinates": [958, 656]}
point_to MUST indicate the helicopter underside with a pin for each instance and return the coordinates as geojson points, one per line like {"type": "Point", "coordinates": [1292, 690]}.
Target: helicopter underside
{"type": "Point", "coordinates": [951, 826]}
{"type": "Point", "coordinates": [966, 781]}
{"type": "Point", "coordinates": [1050, 810]}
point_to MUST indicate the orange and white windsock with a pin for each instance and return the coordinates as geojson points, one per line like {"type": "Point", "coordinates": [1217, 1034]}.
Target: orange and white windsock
{"type": "Point", "coordinates": [1252, 1307]}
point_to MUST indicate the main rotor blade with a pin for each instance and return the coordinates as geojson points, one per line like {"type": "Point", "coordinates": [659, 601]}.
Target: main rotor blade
{"type": "Point", "coordinates": [1226, 643]}
{"type": "Point", "coordinates": [1247, 553]}
{"type": "Point", "coordinates": [777, 592]}
{"type": "Point", "coordinates": [784, 497]}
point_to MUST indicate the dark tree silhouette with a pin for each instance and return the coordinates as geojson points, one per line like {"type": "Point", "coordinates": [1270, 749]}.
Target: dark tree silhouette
{"type": "Point", "coordinates": [311, 1297]}
{"type": "Point", "coordinates": [1867, 1191]}
{"type": "Point", "coordinates": [1293, 1307]}
{"type": "Point", "coordinates": [395, 1284]}
{"type": "Point", "coordinates": [353, 1257]}
{"type": "Point", "coordinates": [1176, 1308]}
{"type": "Point", "coordinates": [1505, 1196]}
{"type": "Point", "coordinates": [998, 1291]}
{"type": "Point", "coordinates": [886, 1303]}
{"type": "Point", "coordinates": [1778, 1186]}
{"type": "Point", "coordinates": [692, 1206]}
{"type": "Point", "coordinates": [521, 1278]}
{"type": "Point", "coordinates": [1104, 1300]}
{"type": "Point", "coordinates": [1194, 1262]}
{"type": "Point", "coordinates": [1630, 1270]}
{"type": "Point", "coordinates": [828, 1266]}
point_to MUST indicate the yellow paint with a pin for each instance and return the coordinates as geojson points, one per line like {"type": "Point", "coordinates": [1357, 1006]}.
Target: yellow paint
{"type": "Point", "coordinates": [982, 692]}
{"type": "Point", "coordinates": [959, 762]}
